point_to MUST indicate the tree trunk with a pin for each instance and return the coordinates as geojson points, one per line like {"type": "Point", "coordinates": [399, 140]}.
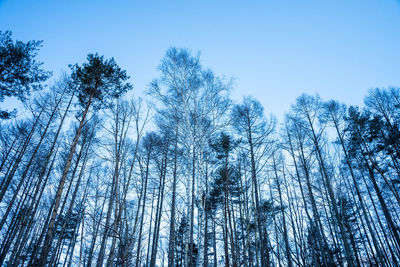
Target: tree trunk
{"type": "Point", "coordinates": [142, 215]}
{"type": "Point", "coordinates": [264, 253]}
{"type": "Point", "coordinates": [51, 226]}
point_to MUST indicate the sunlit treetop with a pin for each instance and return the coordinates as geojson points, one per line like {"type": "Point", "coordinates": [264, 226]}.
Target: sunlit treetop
{"type": "Point", "coordinates": [99, 81]}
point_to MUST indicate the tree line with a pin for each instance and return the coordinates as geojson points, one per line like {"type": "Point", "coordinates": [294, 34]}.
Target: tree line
{"type": "Point", "coordinates": [188, 177]}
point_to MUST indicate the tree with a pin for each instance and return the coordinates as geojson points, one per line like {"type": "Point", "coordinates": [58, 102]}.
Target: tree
{"type": "Point", "coordinates": [97, 82]}
{"type": "Point", "coordinates": [210, 184]}
{"type": "Point", "coordinates": [20, 73]}
{"type": "Point", "coordinates": [308, 110]}
{"type": "Point", "coordinates": [249, 121]}
{"type": "Point", "coordinates": [194, 102]}
{"type": "Point", "coordinates": [359, 133]}
{"type": "Point", "coordinates": [335, 113]}
{"type": "Point", "coordinates": [224, 188]}
{"type": "Point", "coordinates": [150, 141]}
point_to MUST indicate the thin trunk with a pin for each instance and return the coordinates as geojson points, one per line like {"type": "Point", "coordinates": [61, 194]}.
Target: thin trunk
{"type": "Point", "coordinates": [6, 182]}
{"type": "Point", "coordinates": [264, 253]}
{"type": "Point", "coordinates": [142, 215]}
{"type": "Point", "coordinates": [214, 244]}
{"type": "Point", "coordinates": [51, 227]}
{"type": "Point", "coordinates": [285, 230]}
{"type": "Point", "coordinates": [348, 254]}
{"type": "Point", "coordinates": [97, 227]}
{"type": "Point", "coordinates": [205, 207]}
{"type": "Point", "coordinates": [171, 242]}
{"type": "Point", "coordinates": [28, 165]}
{"type": "Point", "coordinates": [192, 208]}
{"type": "Point", "coordinates": [323, 244]}
{"type": "Point", "coordinates": [159, 213]}
{"type": "Point", "coordinates": [150, 224]}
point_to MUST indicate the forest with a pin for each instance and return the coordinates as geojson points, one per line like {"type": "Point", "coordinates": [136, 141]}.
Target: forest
{"type": "Point", "coordinates": [186, 176]}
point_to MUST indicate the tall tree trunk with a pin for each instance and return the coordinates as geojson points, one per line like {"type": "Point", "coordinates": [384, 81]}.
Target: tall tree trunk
{"type": "Point", "coordinates": [159, 210]}
{"type": "Point", "coordinates": [150, 227]}
{"type": "Point", "coordinates": [96, 228]}
{"type": "Point", "coordinates": [205, 207]}
{"type": "Point", "coordinates": [327, 257]}
{"type": "Point", "coordinates": [51, 227]}
{"type": "Point", "coordinates": [264, 253]}
{"type": "Point", "coordinates": [171, 242]}
{"type": "Point", "coordinates": [285, 230]}
{"type": "Point", "coordinates": [192, 207]}
{"type": "Point", "coordinates": [142, 214]}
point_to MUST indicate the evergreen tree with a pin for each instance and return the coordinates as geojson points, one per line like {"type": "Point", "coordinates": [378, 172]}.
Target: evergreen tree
{"type": "Point", "coordinates": [20, 73]}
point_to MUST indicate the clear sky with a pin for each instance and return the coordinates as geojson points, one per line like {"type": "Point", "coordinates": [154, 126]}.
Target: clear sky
{"type": "Point", "coordinates": [276, 50]}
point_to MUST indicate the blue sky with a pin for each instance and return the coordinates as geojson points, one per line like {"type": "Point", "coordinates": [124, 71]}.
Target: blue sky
{"type": "Point", "coordinates": [275, 50]}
